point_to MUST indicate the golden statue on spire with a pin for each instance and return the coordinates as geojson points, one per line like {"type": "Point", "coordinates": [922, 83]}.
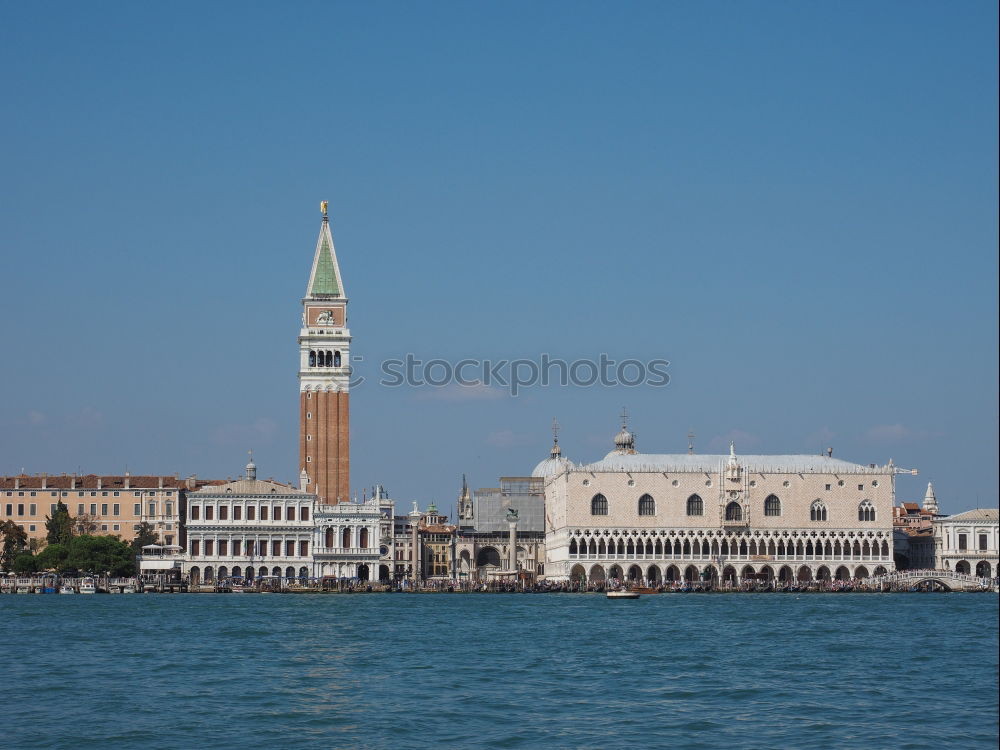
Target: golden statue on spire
{"type": "Point", "coordinates": [323, 208]}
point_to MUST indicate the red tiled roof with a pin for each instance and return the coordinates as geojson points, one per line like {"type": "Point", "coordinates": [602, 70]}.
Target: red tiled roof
{"type": "Point", "coordinates": [107, 482]}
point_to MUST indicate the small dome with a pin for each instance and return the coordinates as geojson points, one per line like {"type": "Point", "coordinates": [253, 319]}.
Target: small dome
{"type": "Point", "coordinates": [625, 441]}
{"type": "Point", "coordinates": [550, 467]}
{"type": "Point", "coordinates": [554, 464]}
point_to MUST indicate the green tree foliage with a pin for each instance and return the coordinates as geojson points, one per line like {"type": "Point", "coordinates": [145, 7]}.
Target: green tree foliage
{"type": "Point", "coordinates": [24, 563]}
{"type": "Point", "coordinates": [98, 554]}
{"type": "Point", "coordinates": [144, 535]}
{"type": "Point", "coordinates": [59, 528]}
{"type": "Point", "coordinates": [15, 541]}
{"type": "Point", "coordinates": [53, 557]}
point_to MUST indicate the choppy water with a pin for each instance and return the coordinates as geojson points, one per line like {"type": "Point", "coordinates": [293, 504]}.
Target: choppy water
{"type": "Point", "coordinates": [457, 671]}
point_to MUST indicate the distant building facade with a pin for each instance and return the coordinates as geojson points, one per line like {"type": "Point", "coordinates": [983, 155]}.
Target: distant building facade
{"type": "Point", "coordinates": [968, 542]}
{"type": "Point", "coordinates": [654, 516]}
{"type": "Point", "coordinates": [249, 528]}
{"type": "Point", "coordinates": [101, 504]}
{"type": "Point", "coordinates": [913, 533]}
{"type": "Point", "coordinates": [483, 548]}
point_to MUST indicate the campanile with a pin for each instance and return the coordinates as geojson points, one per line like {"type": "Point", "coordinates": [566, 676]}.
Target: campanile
{"type": "Point", "coordinates": [324, 375]}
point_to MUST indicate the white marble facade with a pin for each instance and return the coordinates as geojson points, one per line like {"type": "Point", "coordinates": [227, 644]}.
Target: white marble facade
{"type": "Point", "coordinates": [686, 516]}
{"type": "Point", "coordinates": [249, 528]}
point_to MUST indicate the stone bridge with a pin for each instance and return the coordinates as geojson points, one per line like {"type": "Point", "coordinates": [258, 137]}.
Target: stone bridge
{"type": "Point", "coordinates": [943, 579]}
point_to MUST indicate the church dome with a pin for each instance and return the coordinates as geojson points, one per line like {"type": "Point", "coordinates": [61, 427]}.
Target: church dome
{"type": "Point", "coordinates": [553, 465]}
{"type": "Point", "coordinates": [625, 441]}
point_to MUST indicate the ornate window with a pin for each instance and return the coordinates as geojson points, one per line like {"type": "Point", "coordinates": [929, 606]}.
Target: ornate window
{"type": "Point", "coordinates": [599, 505]}
{"type": "Point", "coordinates": [695, 506]}
{"type": "Point", "coordinates": [336, 359]}
{"type": "Point", "coordinates": [572, 546]}
{"type": "Point", "coordinates": [817, 511]}
{"type": "Point", "coordinates": [734, 512]}
{"type": "Point", "coordinates": [772, 506]}
{"type": "Point", "coordinates": [312, 358]}
{"type": "Point", "coordinates": [647, 506]}
{"type": "Point", "coordinates": [866, 511]}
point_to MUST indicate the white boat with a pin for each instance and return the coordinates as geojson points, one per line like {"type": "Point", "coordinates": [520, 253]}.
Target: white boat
{"type": "Point", "coordinates": [23, 589]}
{"type": "Point", "coordinates": [622, 594]}
{"type": "Point", "coordinates": [66, 589]}
{"type": "Point", "coordinates": [128, 588]}
{"type": "Point", "coordinates": [87, 586]}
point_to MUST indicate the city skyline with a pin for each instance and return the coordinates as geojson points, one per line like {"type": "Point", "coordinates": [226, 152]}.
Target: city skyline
{"type": "Point", "coordinates": [821, 273]}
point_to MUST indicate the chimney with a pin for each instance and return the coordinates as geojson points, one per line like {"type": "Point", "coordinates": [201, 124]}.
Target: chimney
{"type": "Point", "coordinates": [829, 452]}
{"type": "Point", "coordinates": [160, 485]}
{"type": "Point", "coordinates": [128, 480]}
{"type": "Point", "coordinates": [17, 483]}
{"type": "Point", "coordinates": [72, 482]}
{"type": "Point", "coordinates": [100, 482]}
{"type": "Point", "coordinates": [45, 480]}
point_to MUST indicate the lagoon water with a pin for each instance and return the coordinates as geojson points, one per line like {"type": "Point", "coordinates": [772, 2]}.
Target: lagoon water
{"type": "Point", "coordinates": [485, 670]}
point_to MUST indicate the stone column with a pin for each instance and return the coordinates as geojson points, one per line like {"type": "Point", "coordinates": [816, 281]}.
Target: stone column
{"type": "Point", "coordinates": [415, 544]}
{"type": "Point", "coordinates": [512, 524]}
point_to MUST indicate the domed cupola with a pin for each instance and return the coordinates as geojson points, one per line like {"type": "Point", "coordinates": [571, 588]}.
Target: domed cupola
{"type": "Point", "coordinates": [555, 463]}
{"type": "Point", "coordinates": [625, 440]}
{"type": "Point", "coordinates": [251, 468]}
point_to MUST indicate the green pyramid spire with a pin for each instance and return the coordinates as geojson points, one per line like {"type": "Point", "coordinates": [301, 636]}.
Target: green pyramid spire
{"type": "Point", "coordinates": [324, 281]}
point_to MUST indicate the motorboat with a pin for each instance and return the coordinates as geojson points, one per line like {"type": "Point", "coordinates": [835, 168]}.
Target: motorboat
{"type": "Point", "coordinates": [67, 589]}
{"type": "Point", "coordinates": [623, 594]}
{"type": "Point", "coordinates": [87, 586]}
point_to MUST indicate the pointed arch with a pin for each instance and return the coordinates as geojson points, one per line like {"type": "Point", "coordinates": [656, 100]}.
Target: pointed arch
{"type": "Point", "coordinates": [772, 506]}
{"type": "Point", "coordinates": [695, 506]}
{"type": "Point", "coordinates": [647, 506]}
{"type": "Point", "coordinates": [599, 505]}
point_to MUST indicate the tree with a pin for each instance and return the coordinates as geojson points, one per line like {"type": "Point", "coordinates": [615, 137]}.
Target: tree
{"type": "Point", "coordinates": [98, 554]}
{"type": "Point", "coordinates": [24, 563]}
{"type": "Point", "coordinates": [59, 528]}
{"type": "Point", "coordinates": [85, 524]}
{"type": "Point", "coordinates": [15, 541]}
{"type": "Point", "coordinates": [144, 534]}
{"type": "Point", "coordinates": [52, 557]}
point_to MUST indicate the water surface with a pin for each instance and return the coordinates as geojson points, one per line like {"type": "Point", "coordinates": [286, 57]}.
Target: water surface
{"type": "Point", "coordinates": [485, 670]}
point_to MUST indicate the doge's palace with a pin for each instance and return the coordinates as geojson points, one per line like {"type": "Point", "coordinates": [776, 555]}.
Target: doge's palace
{"type": "Point", "coordinates": [656, 517]}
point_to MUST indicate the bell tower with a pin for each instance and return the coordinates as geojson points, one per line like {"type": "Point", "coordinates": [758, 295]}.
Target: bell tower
{"type": "Point", "coordinates": [324, 375]}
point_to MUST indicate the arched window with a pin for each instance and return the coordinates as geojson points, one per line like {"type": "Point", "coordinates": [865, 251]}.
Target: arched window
{"type": "Point", "coordinates": [599, 506]}
{"type": "Point", "coordinates": [734, 512]}
{"type": "Point", "coordinates": [363, 542]}
{"type": "Point", "coordinates": [327, 359]}
{"type": "Point", "coordinates": [695, 506]}
{"type": "Point", "coordinates": [336, 359]}
{"type": "Point", "coordinates": [866, 511]}
{"type": "Point", "coordinates": [346, 538]}
{"type": "Point", "coordinates": [772, 506]}
{"type": "Point", "coordinates": [817, 511]}
{"type": "Point", "coordinates": [572, 546]}
{"type": "Point", "coordinates": [312, 358]}
{"type": "Point", "coordinates": [647, 506]}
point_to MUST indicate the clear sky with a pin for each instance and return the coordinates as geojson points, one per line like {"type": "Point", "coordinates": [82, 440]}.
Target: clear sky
{"type": "Point", "coordinates": [794, 203]}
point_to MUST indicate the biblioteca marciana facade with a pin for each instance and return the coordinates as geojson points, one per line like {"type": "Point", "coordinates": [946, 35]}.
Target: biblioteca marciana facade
{"type": "Point", "coordinates": [708, 517]}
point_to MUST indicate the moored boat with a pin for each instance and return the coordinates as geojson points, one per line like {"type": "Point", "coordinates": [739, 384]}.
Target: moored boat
{"type": "Point", "coordinates": [621, 594]}
{"type": "Point", "coordinates": [88, 586]}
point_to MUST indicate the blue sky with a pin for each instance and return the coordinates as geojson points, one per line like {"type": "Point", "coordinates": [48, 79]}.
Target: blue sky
{"type": "Point", "coordinates": [793, 203]}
